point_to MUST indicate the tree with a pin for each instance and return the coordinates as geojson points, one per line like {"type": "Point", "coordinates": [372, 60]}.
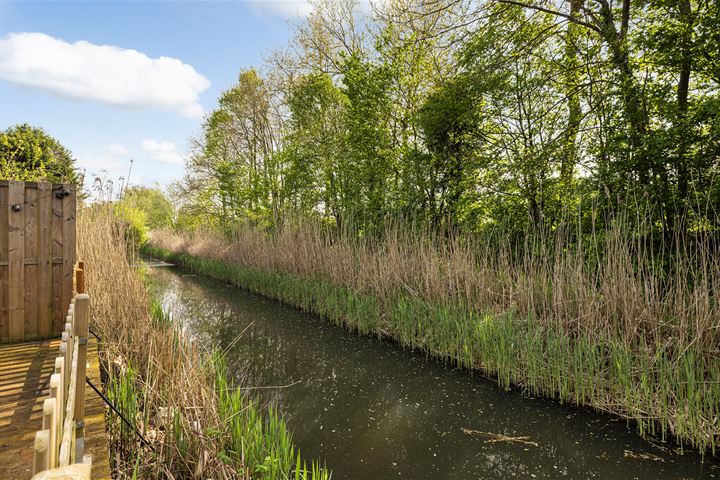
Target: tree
{"type": "Point", "coordinates": [29, 154]}
{"type": "Point", "coordinates": [315, 149]}
{"type": "Point", "coordinates": [159, 212]}
{"type": "Point", "coordinates": [370, 152]}
{"type": "Point", "coordinates": [449, 121]}
{"type": "Point", "coordinates": [455, 114]}
{"type": "Point", "coordinates": [233, 172]}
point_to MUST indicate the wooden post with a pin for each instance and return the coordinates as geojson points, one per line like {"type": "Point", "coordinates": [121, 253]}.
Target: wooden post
{"type": "Point", "coordinates": [50, 424]}
{"type": "Point", "coordinates": [66, 364]}
{"type": "Point", "coordinates": [42, 449]}
{"type": "Point", "coordinates": [82, 314]}
{"type": "Point", "coordinates": [66, 353]}
{"type": "Point", "coordinates": [59, 365]}
{"type": "Point", "coordinates": [80, 280]}
{"type": "Point", "coordinates": [55, 392]}
{"type": "Point", "coordinates": [61, 393]}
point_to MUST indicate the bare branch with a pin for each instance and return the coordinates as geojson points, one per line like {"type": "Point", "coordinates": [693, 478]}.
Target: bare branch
{"type": "Point", "coordinates": [554, 12]}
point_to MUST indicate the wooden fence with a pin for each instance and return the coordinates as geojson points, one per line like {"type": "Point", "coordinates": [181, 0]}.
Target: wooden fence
{"type": "Point", "coordinates": [37, 255]}
{"type": "Point", "coordinates": [59, 446]}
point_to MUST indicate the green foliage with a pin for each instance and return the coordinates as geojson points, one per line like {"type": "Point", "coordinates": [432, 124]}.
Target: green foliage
{"type": "Point", "coordinates": [30, 154]}
{"type": "Point", "coordinates": [258, 439]}
{"type": "Point", "coordinates": [233, 172]}
{"type": "Point", "coordinates": [449, 120]}
{"type": "Point", "coordinates": [157, 210]}
{"type": "Point", "coordinates": [370, 161]}
{"type": "Point", "coordinates": [315, 154]}
{"type": "Point", "coordinates": [122, 391]}
{"type": "Point", "coordinates": [471, 116]}
{"type": "Point", "coordinates": [134, 224]}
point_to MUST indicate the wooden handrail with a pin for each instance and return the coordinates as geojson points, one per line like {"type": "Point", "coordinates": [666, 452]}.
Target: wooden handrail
{"type": "Point", "coordinates": [59, 446]}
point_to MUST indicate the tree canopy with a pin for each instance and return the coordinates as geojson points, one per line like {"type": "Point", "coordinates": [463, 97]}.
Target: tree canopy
{"type": "Point", "coordinates": [154, 204]}
{"type": "Point", "coordinates": [461, 114]}
{"type": "Point", "coordinates": [29, 154]}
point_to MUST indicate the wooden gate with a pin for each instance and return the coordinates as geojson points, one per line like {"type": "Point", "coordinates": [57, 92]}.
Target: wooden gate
{"type": "Point", "coordinates": [37, 258]}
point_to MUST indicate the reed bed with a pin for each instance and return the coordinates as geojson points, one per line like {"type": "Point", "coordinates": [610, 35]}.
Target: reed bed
{"type": "Point", "coordinates": [597, 322]}
{"type": "Point", "coordinates": [176, 396]}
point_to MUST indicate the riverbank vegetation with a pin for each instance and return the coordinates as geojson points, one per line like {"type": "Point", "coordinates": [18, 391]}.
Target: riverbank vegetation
{"type": "Point", "coordinates": [194, 423]}
{"type": "Point", "coordinates": [606, 331]}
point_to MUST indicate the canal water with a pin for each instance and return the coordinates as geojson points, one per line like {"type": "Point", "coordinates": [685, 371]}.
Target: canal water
{"type": "Point", "coordinates": [371, 410]}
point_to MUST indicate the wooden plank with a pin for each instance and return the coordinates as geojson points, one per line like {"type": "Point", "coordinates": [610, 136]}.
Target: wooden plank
{"type": "Point", "coordinates": [3, 262]}
{"type": "Point", "coordinates": [31, 293]}
{"type": "Point", "coordinates": [57, 268]}
{"type": "Point", "coordinates": [44, 259]}
{"type": "Point", "coordinates": [16, 253]}
{"type": "Point", "coordinates": [69, 205]}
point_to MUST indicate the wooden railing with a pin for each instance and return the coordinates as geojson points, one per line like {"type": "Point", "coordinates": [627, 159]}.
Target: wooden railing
{"type": "Point", "coordinates": [60, 445]}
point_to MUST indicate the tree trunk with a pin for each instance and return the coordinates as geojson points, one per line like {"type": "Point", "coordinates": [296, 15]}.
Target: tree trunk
{"type": "Point", "coordinates": [683, 89]}
{"type": "Point", "coordinates": [572, 65]}
{"type": "Point", "coordinates": [635, 113]}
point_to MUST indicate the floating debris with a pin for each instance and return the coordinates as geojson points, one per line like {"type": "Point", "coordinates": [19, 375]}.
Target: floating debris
{"type": "Point", "coordinates": [498, 437]}
{"type": "Point", "coordinates": [642, 456]}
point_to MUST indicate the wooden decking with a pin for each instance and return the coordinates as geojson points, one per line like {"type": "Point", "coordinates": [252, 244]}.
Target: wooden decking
{"type": "Point", "coordinates": [25, 370]}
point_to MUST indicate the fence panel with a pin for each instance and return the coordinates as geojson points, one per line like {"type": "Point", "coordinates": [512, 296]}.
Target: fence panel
{"type": "Point", "coordinates": [37, 257]}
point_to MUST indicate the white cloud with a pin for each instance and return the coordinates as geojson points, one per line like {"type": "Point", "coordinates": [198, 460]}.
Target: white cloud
{"type": "Point", "coordinates": [165, 152]}
{"type": "Point", "coordinates": [101, 73]}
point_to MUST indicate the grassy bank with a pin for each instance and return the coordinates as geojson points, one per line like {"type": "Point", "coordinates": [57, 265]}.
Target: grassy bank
{"type": "Point", "coordinates": [645, 355]}
{"type": "Point", "coordinates": [196, 425]}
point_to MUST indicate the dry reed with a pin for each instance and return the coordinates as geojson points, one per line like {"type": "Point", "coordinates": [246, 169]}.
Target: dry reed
{"type": "Point", "coordinates": [603, 325]}
{"type": "Point", "coordinates": [170, 376]}
{"type": "Point", "coordinates": [177, 396]}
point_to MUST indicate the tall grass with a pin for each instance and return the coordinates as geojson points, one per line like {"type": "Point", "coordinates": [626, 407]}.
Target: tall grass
{"type": "Point", "coordinates": [594, 321]}
{"type": "Point", "coordinates": [175, 395]}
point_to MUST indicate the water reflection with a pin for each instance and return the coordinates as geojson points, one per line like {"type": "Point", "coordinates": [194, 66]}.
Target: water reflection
{"type": "Point", "coordinates": [374, 411]}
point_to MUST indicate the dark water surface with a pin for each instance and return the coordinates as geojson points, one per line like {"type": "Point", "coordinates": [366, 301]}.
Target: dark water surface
{"type": "Point", "coordinates": [372, 410]}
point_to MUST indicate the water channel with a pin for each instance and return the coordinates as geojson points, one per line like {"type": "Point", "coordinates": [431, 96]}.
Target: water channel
{"type": "Point", "coordinates": [371, 410]}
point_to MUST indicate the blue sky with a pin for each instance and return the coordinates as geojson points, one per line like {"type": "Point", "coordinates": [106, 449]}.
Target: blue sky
{"type": "Point", "coordinates": [110, 104]}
